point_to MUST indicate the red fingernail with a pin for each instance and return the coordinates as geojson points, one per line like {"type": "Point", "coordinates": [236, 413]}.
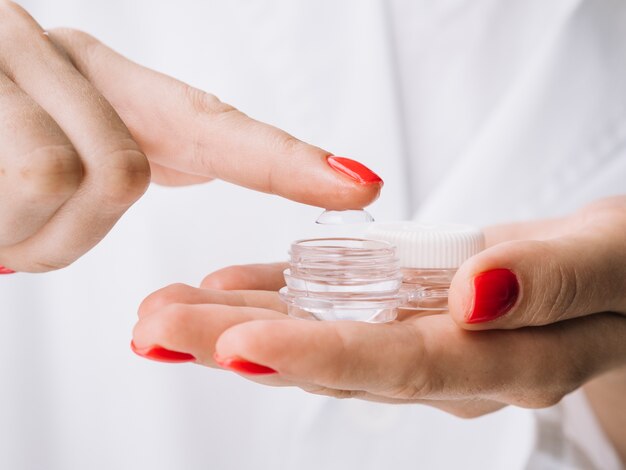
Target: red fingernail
{"type": "Point", "coordinates": [355, 170]}
{"type": "Point", "coordinates": [495, 292]}
{"type": "Point", "coordinates": [243, 366]}
{"type": "Point", "coordinates": [157, 353]}
{"type": "Point", "coordinates": [4, 270]}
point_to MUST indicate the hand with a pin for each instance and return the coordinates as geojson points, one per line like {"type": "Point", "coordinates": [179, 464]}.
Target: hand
{"type": "Point", "coordinates": [421, 359]}
{"type": "Point", "coordinates": [83, 129]}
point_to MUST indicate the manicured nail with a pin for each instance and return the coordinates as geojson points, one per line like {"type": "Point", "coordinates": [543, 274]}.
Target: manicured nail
{"type": "Point", "coordinates": [4, 270]}
{"type": "Point", "coordinates": [241, 365]}
{"type": "Point", "coordinates": [355, 170]}
{"type": "Point", "coordinates": [495, 292]}
{"type": "Point", "coordinates": [157, 353]}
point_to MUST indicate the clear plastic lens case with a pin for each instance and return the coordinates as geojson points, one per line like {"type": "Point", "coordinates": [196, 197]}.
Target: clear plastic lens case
{"type": "Point", "coordinates": [403, 265]}
{"type": "Point", "coordinates": [357, 279]}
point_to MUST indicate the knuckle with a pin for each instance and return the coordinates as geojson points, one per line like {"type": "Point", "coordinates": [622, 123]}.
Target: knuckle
{"type": "Point", "coordinates": [411, 390]}
{"type": "Point", "coordinates": [595, 212]}
{"type": "Point", "coordinates": [423, 381]}
{"type": "Point", "coordinates": [579, 367]}
{"type": "Point", "coordinates": [10, 7]}
{"type": "Point", "coordinates": [417, 382]}
{"type": "Point", "coordinates": [203, 103]}
{"type": "Point", "coordinates": [82, 45]}
{"type": "Point", "coordinates": [550, 290]}
{"type": "Point", "coordinates": [543, 399]}
{"type": "Point", "coordinates": [332, 392]}
{"type": "Point", "coordinates": [124, 176]}
{"type": "Point", "coordinates": [546, 386]}
{"type": "Point", "coordinates": [465, 412]}
{"type": "Point", "coordinates": [338, 375]}
{"type": "Point", "coordinates": [164, 297]}
{"type": "Point", "coordinates": [225, 279]}
{"type": "Point", "coordinates": [207, 109]}
{"type": "Point", "coordinates": [51, 171]}
{"type": "Point", "coordinates": [286, 143]}
{"type": "Point", "coordinates": [72, 35]}
{"type": "Point", "coordinates": [564, 296]}
{"type": "Point", "coordinates": [16, 23]}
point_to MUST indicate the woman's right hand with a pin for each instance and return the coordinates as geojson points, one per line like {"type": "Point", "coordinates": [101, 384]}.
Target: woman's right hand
{"type": "Point", "coordinates": [83, 129]}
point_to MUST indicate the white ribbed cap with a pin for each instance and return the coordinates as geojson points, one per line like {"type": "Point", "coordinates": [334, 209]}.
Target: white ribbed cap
{"type": "Point", "coordinates": [429, 246]}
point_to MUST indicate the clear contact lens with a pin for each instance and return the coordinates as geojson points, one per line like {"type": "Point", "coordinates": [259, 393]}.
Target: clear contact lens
{"type": "Point", "coordinates": [329, 217]}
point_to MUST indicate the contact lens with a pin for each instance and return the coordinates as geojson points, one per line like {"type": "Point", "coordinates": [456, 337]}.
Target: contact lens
{"type": "Point", "coordinates": [329, 217]}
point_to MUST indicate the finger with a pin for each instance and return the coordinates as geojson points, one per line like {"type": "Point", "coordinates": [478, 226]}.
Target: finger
{"type": "Point", "coordinates": [267, 277]}
{"type": "Point", "coordinates": [193, 132]}
{"type": "Point", "coordinates": [169, 177]}
{"type": "Point", "coordinates": [532, 367]}
{"type": "Point", "coordinates": [184, 294]}
{"type": "Point", "coordinates": [523, 283]}
{"type": "Point", "coordinates": [462, 408]}
{"type": "Point", "coordinates": [353, 356]}
{"type": "Point", "coordinates": [469, 408]}
{"type": "Point", "coordinates": [180, 293]}
{"type": "Point", "coordinates": [116, 171]}
{"type": "Point", "coordinates": [574, 266]}
{"type": "Point", "coordinates": [590, 218]}
{"type": "Point", "coordinates": [39, 168]}
{"type": "Point", "coordinates": [193, 329]}
{"type": "Point", "coordinates": [532, 230]}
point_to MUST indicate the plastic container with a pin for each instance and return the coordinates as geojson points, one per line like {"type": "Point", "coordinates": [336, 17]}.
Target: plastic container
{"type": "Point", "coordinates": [402, 265]}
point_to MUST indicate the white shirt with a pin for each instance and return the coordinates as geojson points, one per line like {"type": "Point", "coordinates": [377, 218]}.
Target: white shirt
{"type": "Point", "coordinates": [472, 111]}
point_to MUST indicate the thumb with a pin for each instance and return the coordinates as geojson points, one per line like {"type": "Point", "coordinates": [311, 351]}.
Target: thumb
{"type": "Point", "coordinates": [188, 131]}
{"type": "Point", "coordinates": [538, 282]}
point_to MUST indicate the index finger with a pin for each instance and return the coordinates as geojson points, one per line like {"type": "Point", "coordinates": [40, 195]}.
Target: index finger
{"type": "Point", "coordinates": [185, 129]}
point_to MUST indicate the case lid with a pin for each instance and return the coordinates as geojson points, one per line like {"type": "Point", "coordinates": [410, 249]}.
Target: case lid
{"type": "Point", "coordinates": [426, 246]}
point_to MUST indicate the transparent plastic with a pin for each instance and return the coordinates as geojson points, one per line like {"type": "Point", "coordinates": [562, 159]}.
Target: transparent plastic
{"type": "Point", "coordinates": [329, 217]}
{"type": "Point", "coordinates": [358, 279]}
{"type": "Point", "coordinates": [426, 289]}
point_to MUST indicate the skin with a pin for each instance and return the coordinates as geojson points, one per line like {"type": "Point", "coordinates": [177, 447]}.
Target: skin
{"type": "Point", "coordinates": [565, 331]}
{"type": "Point", "coordinates": [83, 131]}
{"type": "Point", "coordinates": [606, 395]}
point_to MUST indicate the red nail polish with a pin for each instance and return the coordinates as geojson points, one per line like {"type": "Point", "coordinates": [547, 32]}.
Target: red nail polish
{"type": "Point", "coordinates": [4, 270]}
{"type": "Point", "coordinates": [241, 365]}
{"type": "Point", "coordinates": [355, 170]}
{"type": "Point", "coordinates": [157, 353]}
{"type": "Point", "coordinates": [495, 292]}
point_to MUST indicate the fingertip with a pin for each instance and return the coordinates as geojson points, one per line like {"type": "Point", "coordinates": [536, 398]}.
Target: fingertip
{"type": "Point", "coordinates": [495, 292]}
{"type": "Point", "coordinates": [242, 366]}
{"type": "Point", "coordinates": [177, 327]}
{"type": "Point", "coordinates": [354, 170]}
{"type": "Point", "coordinates": [358, 186]}
{"type": "Point", "coordinates": [4, 270]}
{"type": "Point", "coordinates": [312, 176]}
{"type": "Point", "coordinates": [351, 196]}
{"type": "Point", "coordinates": [487, 287]}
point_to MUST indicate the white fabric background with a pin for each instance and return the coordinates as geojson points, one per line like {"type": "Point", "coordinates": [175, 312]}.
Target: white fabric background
{"type": "Point", "coordinates": [478, 112]}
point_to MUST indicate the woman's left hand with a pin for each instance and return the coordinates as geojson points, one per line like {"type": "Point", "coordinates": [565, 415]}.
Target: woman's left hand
{"type": "Point", "coordinates": [548, 295]}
